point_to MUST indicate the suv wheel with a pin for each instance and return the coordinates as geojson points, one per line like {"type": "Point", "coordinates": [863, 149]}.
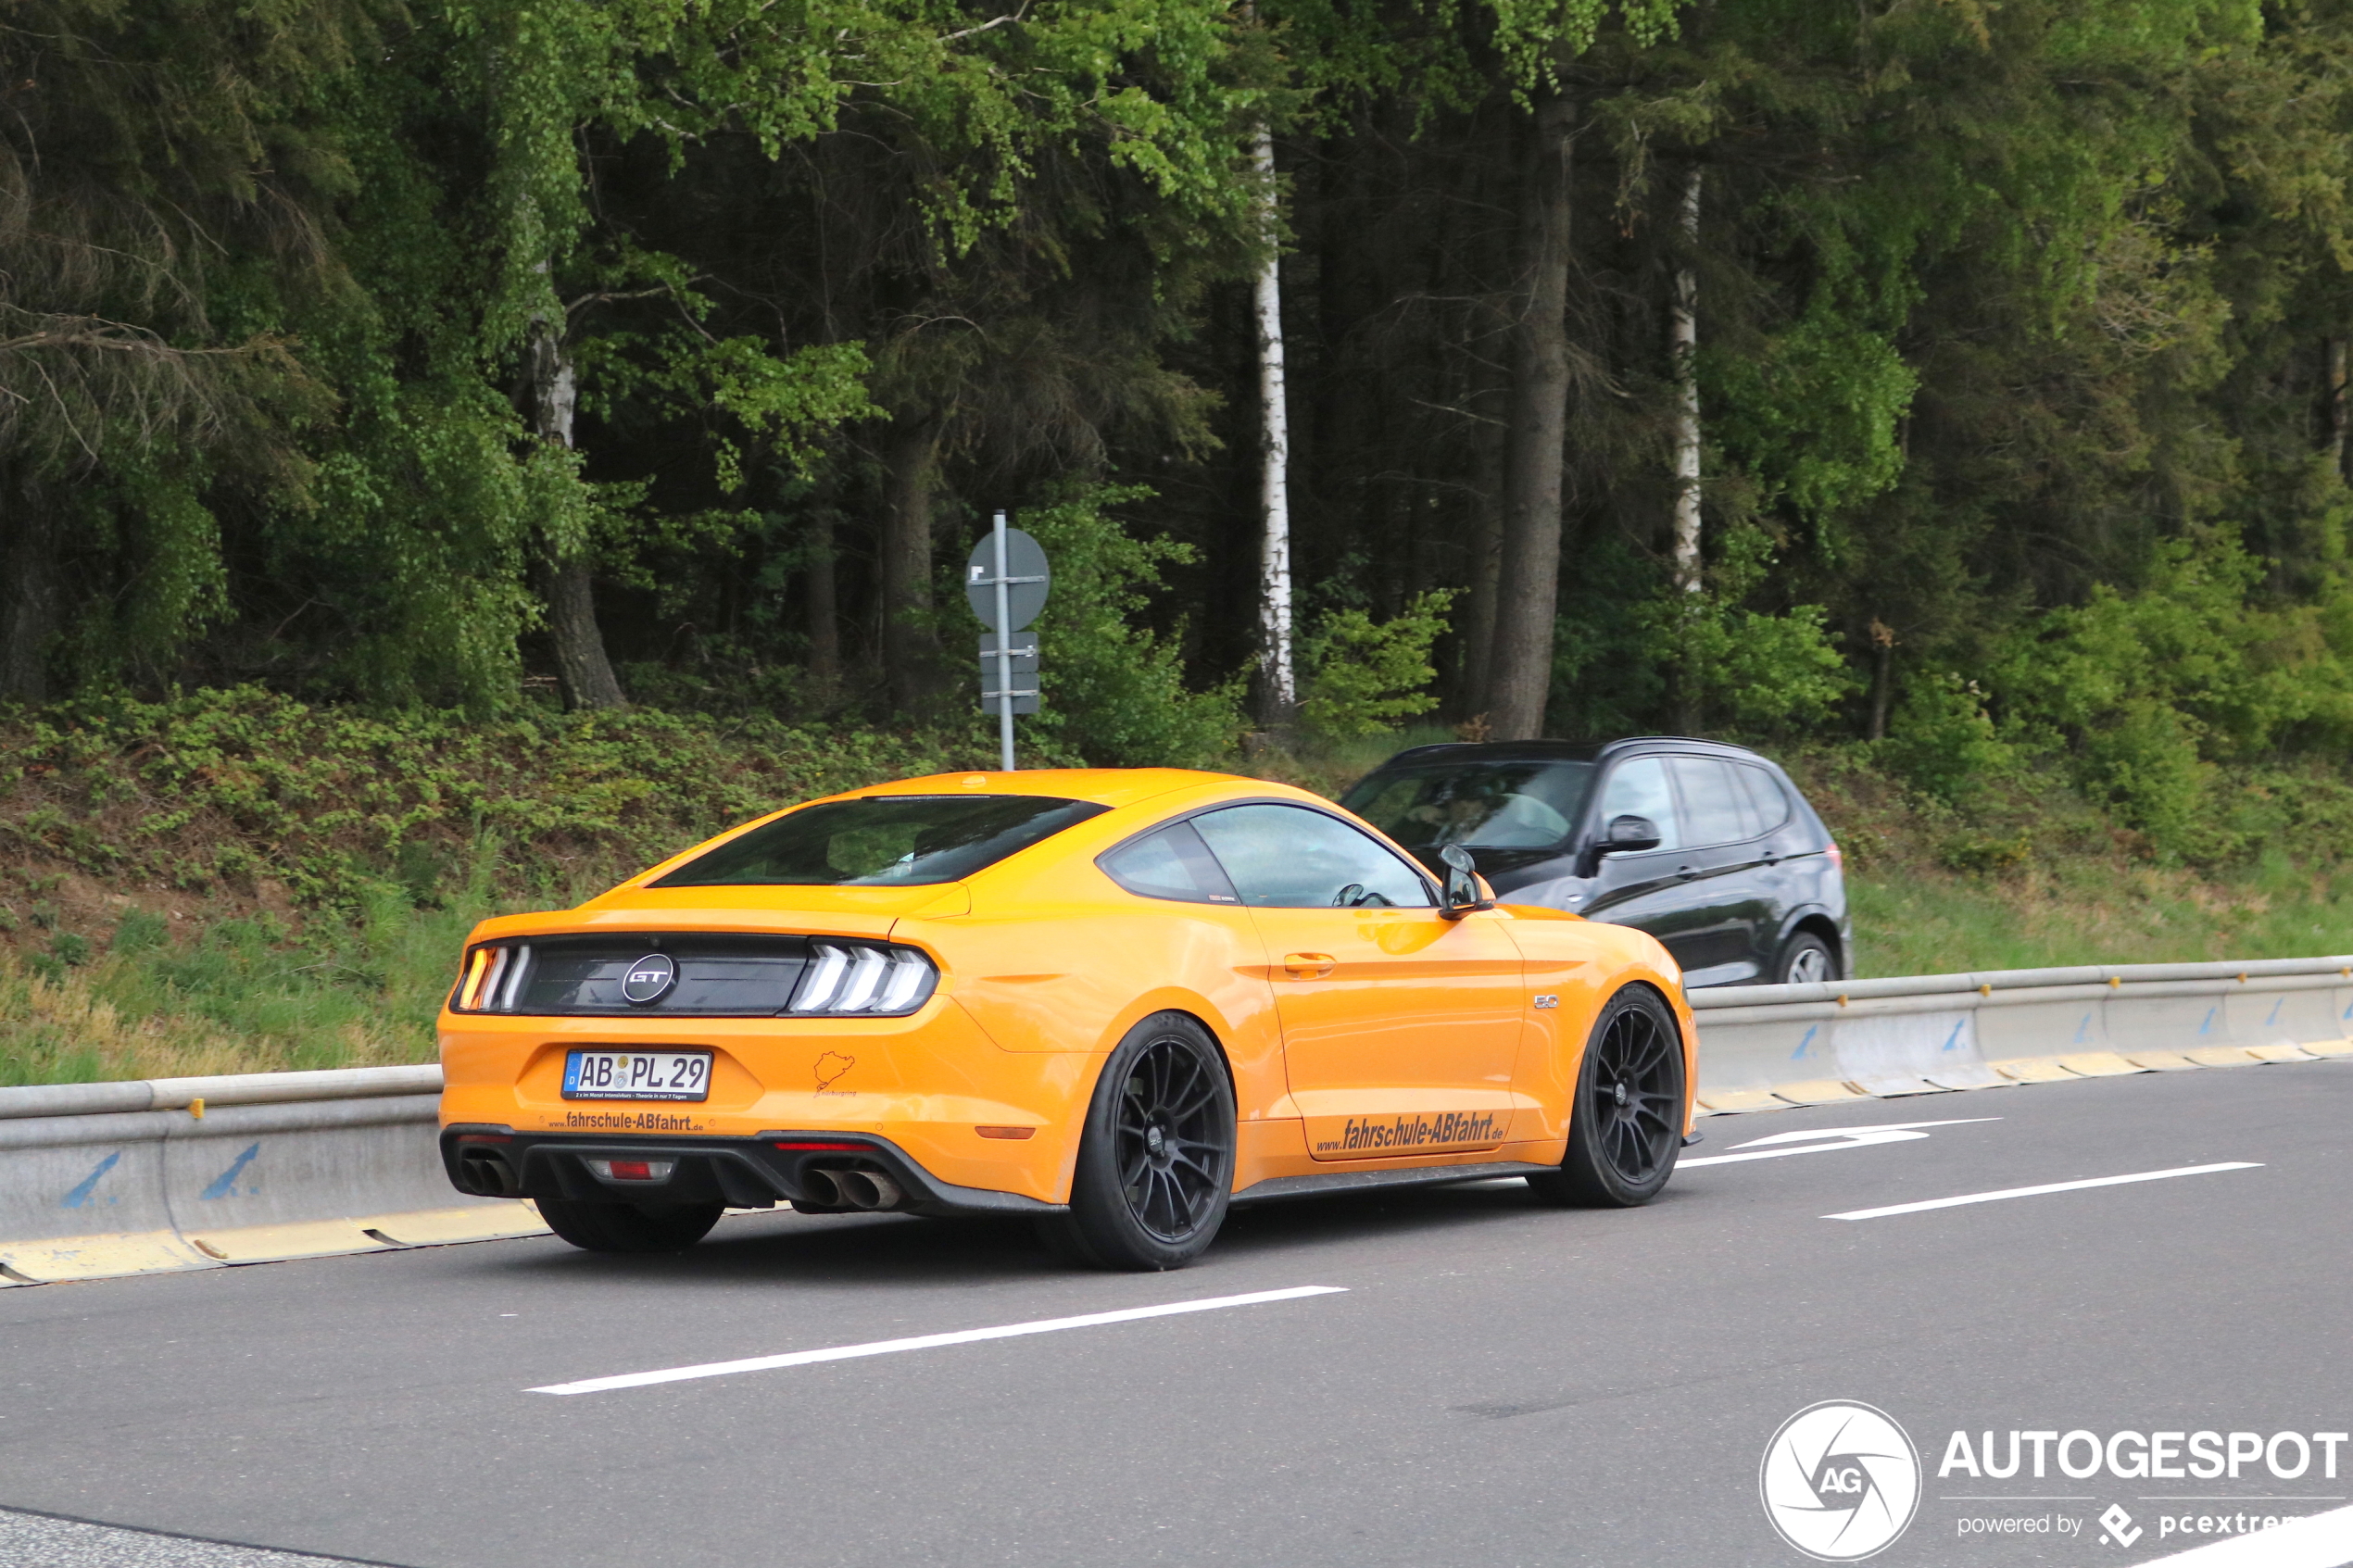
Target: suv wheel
{"type": "Point", "coordinates": [1806, 960]}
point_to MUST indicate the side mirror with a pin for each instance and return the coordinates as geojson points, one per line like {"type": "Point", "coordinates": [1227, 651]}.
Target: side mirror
{"type": "Point", "coordinates": [1629, 835]}
{"type": "Point", "coordinates": [1462, 883]}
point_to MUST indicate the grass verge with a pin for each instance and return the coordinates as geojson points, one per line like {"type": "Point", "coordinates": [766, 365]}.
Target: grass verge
{"type": "Point", "coordinates": [240, 996]}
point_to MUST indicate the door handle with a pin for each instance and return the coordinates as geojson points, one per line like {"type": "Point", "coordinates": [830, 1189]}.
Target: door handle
{"type": "Point", "coordinates": [1685, 873]}
{"type": "Point", "coordinates": [1309, 966]}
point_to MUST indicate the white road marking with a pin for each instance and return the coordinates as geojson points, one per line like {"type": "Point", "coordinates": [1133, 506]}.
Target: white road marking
{"type": "Point", "coordinates": [2048, 1186]}
{"type": "Point", "coordinates": [1837, 1139]}
{"type": "Point", "coordinates": [930, 1341]}
{"type": "Point", "coordinates": [2317, 1540]}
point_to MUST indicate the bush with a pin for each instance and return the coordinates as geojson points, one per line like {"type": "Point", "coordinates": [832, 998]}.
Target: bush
{"type": "Point", "coordinates": [2147, 692]}
{"type": "Point", "coordinates": [2142, 758]}
{"type": "Point", "coordinates": [1113, 693]}
{"type": "Point", "coordinates": [1944, 742]}
{"type": "Point", "coordinates": [1364, 676]}
{"type": "Point", "coordinates": [1755, 670]}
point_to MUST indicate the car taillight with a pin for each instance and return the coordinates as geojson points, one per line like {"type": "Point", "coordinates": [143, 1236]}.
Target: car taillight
{"type": "Point", "coordinates": [470, 979]}
{"type": "Point", "coordinates": [493, 977]}
{"type": "Point", "coordinates": [858, 978]}
{"type": "Point", "coordinates": [1837, 859]}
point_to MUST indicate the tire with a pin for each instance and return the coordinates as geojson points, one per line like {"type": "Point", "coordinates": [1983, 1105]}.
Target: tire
{"type": "Point", "coordinates": [1156, 1158]}
{"type": "Point", "coordinates": [1805, 958]}
{"type": "Point", "coordinates": [1625, 1127]}
{"type": "Point", "coordinates": [628, 1227]}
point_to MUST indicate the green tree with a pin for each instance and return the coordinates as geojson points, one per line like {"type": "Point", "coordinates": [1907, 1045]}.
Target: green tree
{"type": "Point", "coordinates": [166, 174]}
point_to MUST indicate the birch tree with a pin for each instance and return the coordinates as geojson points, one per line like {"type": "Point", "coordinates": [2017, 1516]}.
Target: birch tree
{"type": "Point", "coordinates": [1279, 685]}
{"type": "Point", "coordinates": [1682, 334]}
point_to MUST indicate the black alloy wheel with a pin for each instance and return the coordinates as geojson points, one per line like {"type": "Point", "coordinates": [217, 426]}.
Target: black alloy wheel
{"type": "Point", "coordinates": [1625, 1127]}
{"type": "Point", "coordinates": [1171, 1153]}
{"type": "Point", "coordinates": [1156, 1160]}
{"type": "Point", "coordinates": [594, 1226]}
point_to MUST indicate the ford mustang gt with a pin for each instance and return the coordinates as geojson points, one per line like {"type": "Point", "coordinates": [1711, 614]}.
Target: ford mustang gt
{"type": "Point", "coordinates": [1118, 1000]}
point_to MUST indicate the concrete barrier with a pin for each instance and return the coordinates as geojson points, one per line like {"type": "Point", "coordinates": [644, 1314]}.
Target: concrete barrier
{"type": "Point", "coordinates": [1767, 1046]}
{"type": "Point", "coordinates": [83, 1195]}
{"type": "Point", "coordinates": [104, 1179]}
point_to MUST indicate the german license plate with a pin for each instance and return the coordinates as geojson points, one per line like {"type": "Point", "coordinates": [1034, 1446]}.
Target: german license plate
{"type": "Point", "coordinates": [638, 1075]}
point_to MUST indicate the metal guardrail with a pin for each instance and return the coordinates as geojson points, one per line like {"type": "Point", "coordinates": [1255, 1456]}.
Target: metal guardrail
{"type": "Point", "coordinates": [1767, 1046]}
{"type": "Point", "coordinates": [242, 1088]}
{"type": "Point", "coordinates": [167, 1173]}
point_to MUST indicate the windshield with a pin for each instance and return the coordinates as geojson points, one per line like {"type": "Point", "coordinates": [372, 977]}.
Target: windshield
{"type": "Point", "coordinates": [882, 841]}
{"type": "Point", "coordinates": [1480, 804]}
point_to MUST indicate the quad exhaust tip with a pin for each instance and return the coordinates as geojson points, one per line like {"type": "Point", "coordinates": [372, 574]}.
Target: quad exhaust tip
{"type": "Point", "coordinates": [486, 1175]}
{"type": "Point", "coordinates": [847, 1186]}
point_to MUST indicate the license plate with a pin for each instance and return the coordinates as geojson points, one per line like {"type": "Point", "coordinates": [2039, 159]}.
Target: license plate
{"type": "Point", "coordinates": [638, 1075]}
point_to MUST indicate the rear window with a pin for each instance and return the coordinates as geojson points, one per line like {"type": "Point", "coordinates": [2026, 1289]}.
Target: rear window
{"type": "Point", "coordinates": [1480, 804]}
{"type": "Point", "coordinates": [882, 841]}
{"type": "Point", "coordinates": [1765, 796]}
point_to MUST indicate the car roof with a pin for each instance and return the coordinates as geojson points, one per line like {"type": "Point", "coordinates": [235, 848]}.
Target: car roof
{"type": "Point", "coordinates": [1104, 787]}
{"type": "Point", "coordinates": [1562, 750]}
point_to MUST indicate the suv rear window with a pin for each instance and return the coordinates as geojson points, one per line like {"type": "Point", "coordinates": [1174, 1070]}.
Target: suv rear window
{"type": "Point", "coordinates": [1480, 804]}
{"type": "Point", "coordinates": [882, 841]}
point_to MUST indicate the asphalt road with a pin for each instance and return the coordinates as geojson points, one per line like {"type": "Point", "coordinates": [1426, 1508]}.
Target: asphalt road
{"type": "Point", "coordinates": [1488, 1383]}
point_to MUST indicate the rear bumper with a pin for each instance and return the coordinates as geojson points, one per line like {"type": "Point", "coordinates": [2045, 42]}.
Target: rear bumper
{"type": "Point", "coordinates": [493, 1161]}
{"type": "Point", "coordinates": [931, 1085]}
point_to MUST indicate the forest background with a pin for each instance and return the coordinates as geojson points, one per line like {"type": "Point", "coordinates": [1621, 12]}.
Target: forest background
{"type": "Point", "coordinates": [454, 450]}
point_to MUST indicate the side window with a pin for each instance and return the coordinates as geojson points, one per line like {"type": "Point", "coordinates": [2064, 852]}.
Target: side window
{"type": "Point", "coordinates": [1638, 789]}
{"type": "Point", "coordinates": [1766, 795]}
{"type": "Point", "coordinates": [1713, 814]}
{"type": "Point", "coordinates": [1750, 826]}
{"type": "Point", "coordinates": [1286, 857]}
{"type": "Point", "coordinates": [1172, 863]}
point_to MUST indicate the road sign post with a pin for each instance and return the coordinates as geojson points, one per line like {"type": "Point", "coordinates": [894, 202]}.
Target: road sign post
{"type": "Point", "coordinates": [1005, 582]}
{"type": "Point", "coordinates": [1004, 625]}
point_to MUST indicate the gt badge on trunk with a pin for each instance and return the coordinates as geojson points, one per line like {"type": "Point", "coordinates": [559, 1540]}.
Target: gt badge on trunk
{"type": "Point", "coordinates": [648, 979]}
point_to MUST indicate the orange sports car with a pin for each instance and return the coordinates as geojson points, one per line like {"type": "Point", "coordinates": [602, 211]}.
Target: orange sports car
{"type": "Point", "coordinates": [1118, 1001]}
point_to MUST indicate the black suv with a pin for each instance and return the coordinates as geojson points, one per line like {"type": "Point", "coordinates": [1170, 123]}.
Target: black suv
{"type": "Point", "coordinates": [1708, 848]}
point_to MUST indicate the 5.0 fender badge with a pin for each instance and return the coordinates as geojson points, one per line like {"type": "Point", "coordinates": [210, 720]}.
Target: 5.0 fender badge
{"type": "Point", "coordinates": [648, 979]}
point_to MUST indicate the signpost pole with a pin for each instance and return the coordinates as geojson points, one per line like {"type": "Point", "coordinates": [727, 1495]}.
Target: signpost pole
{"type": "Point", "coordinates": [1004, 650]}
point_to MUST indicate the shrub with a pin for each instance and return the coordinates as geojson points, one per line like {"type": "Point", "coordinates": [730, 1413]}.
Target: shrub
{"type": "Point", "coordinates": [1756, 670]}
{"type": "Point", "coordinates": [2148, 691]}
{"type": "Point", "coordinates": [1364, 676]}
{"type": "Point", "coordinates": [1114, 693]}
{"type": "Point", "coordinates": [1942, 742]}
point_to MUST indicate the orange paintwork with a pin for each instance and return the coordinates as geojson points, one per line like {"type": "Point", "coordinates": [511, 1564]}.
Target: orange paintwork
{"type": "Point", "coordinates": [1330, 1019]}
